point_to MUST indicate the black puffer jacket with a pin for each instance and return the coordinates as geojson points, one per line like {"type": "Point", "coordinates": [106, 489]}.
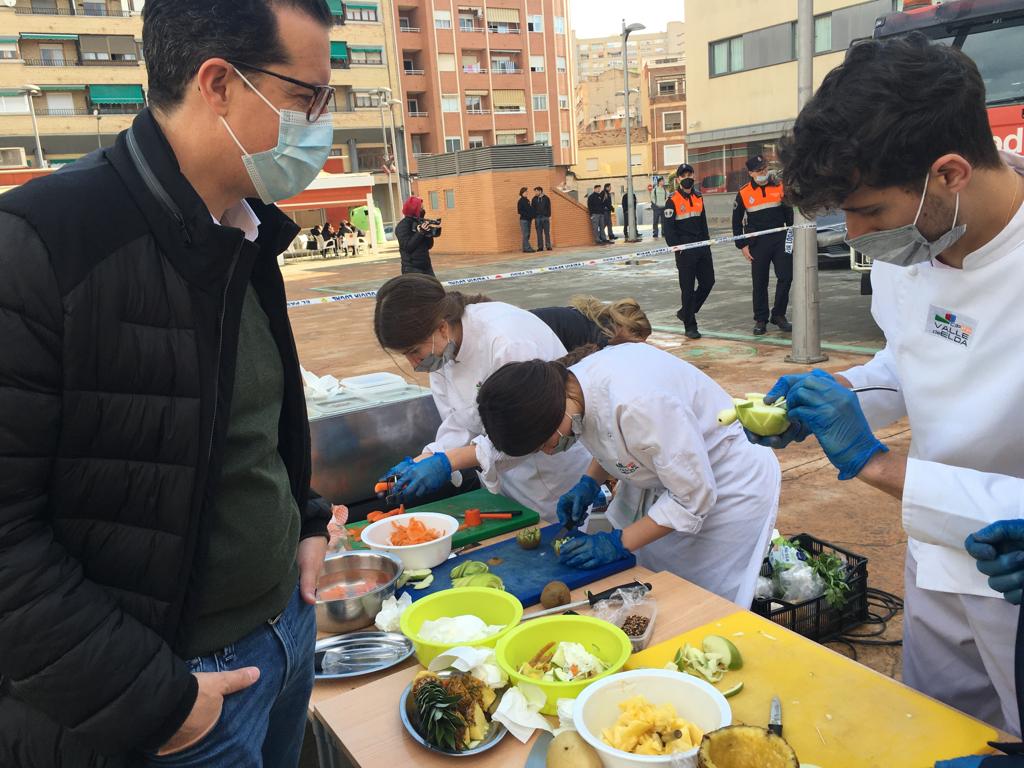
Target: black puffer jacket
{"type": "Point", "coordinates": [119, 332]}
{"type": "Point", "coordinates": [414, 246]}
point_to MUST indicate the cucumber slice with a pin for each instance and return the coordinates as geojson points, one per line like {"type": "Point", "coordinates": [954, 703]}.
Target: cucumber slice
{"type": "Point", "coordinates": [733, 691]}
{"type": "Point", "coordinates": [425, 583]}
{"type": "Point", "coordinates": [418, 575]}
{"type": "Point", "coordinates": [724, 649]}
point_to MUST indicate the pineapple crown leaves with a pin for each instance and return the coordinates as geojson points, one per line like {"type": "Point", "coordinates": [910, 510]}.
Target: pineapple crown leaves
{"type": "Point", "coordinates": [442, 723]}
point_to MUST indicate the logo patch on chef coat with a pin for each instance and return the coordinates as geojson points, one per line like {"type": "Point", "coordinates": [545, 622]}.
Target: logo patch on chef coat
{"type": "Point", "coordinates": [627, 469]}
{"type": "Point", "coordinates": [949, 325]}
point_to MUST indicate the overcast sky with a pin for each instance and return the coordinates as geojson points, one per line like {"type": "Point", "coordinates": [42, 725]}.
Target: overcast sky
{"type": "Point", "coordinates": [600, 18]}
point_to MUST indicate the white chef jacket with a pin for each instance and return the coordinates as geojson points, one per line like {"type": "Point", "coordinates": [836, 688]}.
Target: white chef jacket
{"type": "Point", "coordinates": [954, 351]}
{"type": "Point", "coordinates": [651, 421]}
{"type": "Point", "coordinates": [493, 334]}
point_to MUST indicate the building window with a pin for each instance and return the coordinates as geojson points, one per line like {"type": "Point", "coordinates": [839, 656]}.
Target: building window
{"type": "Point", "coordinates": [14, 105]}
{"type": "Point", "coordinates": [636, 160]}
{"type": "Point", "coordinates": [8, 50]}
{"type": "Point", "coordinates": [365, 99]}
{"type": "Point", "coordinates": [540, 102]}
{"type": "Point", "coordinates": [367, 56]}
{"type": "Point", "coordinates": [673, 155]}
{"type": "Point", "coordinates": [542, 137]}
{"type": "Point", "coordinates": [413, 105]}
{"type": "Point", "coordinates": [566, 140]}
{"type": "Point", "coordinates": [563, 102]}
{"type": "Point", "coordinates": [449, 198]}
{"type": "Point", "coordinates": [442, 19]}
{"type": "Point", "coordinates": [417, 144]}
{"type": "Point", "coordinates": [536, 63]}
{"type": "Point", "coordinates": [435, 201]}
{"type": "Point", "coordinates": [476, 142]}
{"type": "Point", "coordinates": [505, 139]}
{"type": "Point", "coordinates": [560, 63]}
{"type": "Point", "coordinates": [452, 144]}
{"type": "Point", "coordinates": [672, 121]}
{"type": "Point", "coordinates": [666, 87]}
{"type": "Point", "coordinates": [475, 104]}
{"type": "Point", "coordinates": [450, 103]}
{"type": "Point", "coordinates": [535, 23]}
{"type": "Point", "coordinates": [356, 12]}
{"type": "Point", "coordinates": [823, 33]}
{"type": "Point", "coordinates": [503, 64]}
{"type": "Point", "coordinates": [727, 56]}
{"type": "Point", "coordinates": [592, 164]}
{"type": "Point", "coordinates": [560, 25]}
{"type": "Point", "coordinates": [446, 62]}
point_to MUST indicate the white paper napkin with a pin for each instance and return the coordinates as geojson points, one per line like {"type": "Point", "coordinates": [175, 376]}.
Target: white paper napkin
{"type": "Point", "coordinates": [519, 711]}
{"type": "Point", "coordinates": [481, 663]}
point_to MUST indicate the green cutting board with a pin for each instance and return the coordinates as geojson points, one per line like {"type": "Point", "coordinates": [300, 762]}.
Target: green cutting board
{"type": "Point", "coordinates": [480, 499]}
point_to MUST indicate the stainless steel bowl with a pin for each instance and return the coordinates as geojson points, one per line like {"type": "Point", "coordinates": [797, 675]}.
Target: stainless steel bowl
{"type": "Point", "coordinates": [362, 581]}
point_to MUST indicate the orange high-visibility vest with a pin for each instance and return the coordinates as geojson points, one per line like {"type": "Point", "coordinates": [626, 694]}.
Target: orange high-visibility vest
{"type": "Point", "coordinates": [757, 198]}
{"type": "Point", "coordinates": [686, 209]}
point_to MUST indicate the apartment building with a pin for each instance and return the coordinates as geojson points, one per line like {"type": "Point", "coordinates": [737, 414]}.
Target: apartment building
{"type": "Point", "coordinates": [664, 84]}
{"type": "Point", "coordinates": [82, 64]}
{"type": "Point", "coordinates": [485, 75]}
{"type": "Point", "coordinates": [596, 55]}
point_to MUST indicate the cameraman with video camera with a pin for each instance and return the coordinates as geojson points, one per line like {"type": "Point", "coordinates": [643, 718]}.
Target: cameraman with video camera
{"type": "Point", "coordinates": [415, 235]}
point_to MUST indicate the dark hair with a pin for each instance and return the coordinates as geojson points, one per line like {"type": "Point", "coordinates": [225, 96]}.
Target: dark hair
{"type": "Point", "coordinates": [410, 307]}
{"type": "Point", "coordinates": [538, 189]}
{"type": "Point", "coordinates": [597, 186]}
{"type": "Point", "coordinates": [522, 404]}
{"type": "Point", "coordinates": [882, 117]}
{"type": "Point", "coordinates": [179, 35]}
{"type": "Point", "coordinates": [521, 190]}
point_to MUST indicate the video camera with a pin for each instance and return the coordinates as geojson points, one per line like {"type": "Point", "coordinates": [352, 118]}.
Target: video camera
{"type": "Point", "coordinates": [430, 227]}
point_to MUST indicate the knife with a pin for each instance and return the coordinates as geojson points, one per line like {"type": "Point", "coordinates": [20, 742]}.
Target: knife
{"type": "Point", "coordinates": [538, 757]}
{"type": "Point", "coordinates": [590, 599]}
{"type": "Point", "coordinates": [775, 717]}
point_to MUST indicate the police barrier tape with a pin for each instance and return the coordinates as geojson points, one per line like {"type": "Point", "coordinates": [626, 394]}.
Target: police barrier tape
{"type": "Point", "coordinates": [558, 267]}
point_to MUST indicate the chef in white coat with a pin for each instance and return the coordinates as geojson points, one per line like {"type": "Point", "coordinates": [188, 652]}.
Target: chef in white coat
{"type": "Point", "coordinates": [940, 212]}
{"type": "Point", "coordinates": [460, 340]}
{"type": "Point", "coordinates": [693, 497]}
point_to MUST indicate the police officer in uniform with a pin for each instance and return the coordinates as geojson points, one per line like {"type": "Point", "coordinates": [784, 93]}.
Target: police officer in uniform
{"type": "Point", "coordinates": [685, 221]}
{"type": "Point", "coordinates": [760, 203]}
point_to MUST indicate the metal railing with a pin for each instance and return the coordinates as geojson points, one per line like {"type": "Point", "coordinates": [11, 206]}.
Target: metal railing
{"type": "Point", "coordinates": [474, 70]}
{"type": "Point", "coordinates": [510, 110]}
{"type": "Point", "coordinates": [413, 71]}
{"type": "Point", "coordinates": [25, 10]}
{"type": "Point", "coordinates": [368, 63]}
{"type": "Point", "coordinates": [408, 29]}
{"type": "Point", "coordinates": [418, 114]}
{"type": "Point", "coordinates": [506, 70]}
{"type": "Point", "coordinates": [471, 28]}
{"type": "Point", "coordinates": [506, 31]}
{"type": "Point", "coordinates": [53, 62]}
{"type": "Point", "coordinates": [105, 111]}
{"type": "Point", "coordinates": [339, 64]}
{"type": "Point", "coordinates": [82, 62]}
{"type": "Point", "coordinates": [478, 111]}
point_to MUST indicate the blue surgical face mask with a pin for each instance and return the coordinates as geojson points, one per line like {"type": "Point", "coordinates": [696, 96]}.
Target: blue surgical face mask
{"type": "Point", "coordinates": [906, 245]}
{"type": "Point", "coordinates": [565, 442]}
{"type": "Point", "coordinates": [433, 362]}
{"type": "Point", "coordinates": [302, 149]}
{"type": "Point", "coordinates": [762, 178]}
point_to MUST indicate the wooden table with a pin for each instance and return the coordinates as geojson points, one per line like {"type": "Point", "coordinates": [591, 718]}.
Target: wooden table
{"type": "Point", "coordinates": [362, 717]}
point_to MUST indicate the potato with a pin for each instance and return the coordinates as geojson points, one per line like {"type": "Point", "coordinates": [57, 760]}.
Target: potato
{"type": "Point", "coordinates": [569, 750]}
{"type": "Point", "coordinates": [745, 746]}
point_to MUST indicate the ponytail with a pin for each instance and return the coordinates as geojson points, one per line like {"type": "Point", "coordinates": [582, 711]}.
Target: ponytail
{"type": "Point", "coordinates": [621, 321]}
{"type": "Point", "coordinates": [411, 307]}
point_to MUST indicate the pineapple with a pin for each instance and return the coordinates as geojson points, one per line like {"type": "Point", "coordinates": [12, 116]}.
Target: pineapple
{"type": "Point", "coordinates": [440, 721]}
{"type": "Point", "coordinates": [745, 746]}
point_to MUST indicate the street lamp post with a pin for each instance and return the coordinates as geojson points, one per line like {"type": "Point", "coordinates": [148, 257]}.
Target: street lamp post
{"type": "Point", "coordinates": [383, 96]}
{"type": "Point", "coordinates": [30, 92]}
{"type": "Point", "coordinates": [394, 145]}
{"type": "Point", "coordinates": [98, 116]}
{"type": "Point", "coordinates": [626, 30]}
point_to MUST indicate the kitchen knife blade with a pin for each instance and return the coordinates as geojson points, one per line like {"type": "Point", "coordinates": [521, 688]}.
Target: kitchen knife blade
{"type": "Point", "coordinates": [775, 717]}
{"type": "Point", "coordinates": [590, 599]}
{"type": "Point", "coordinates": [539, 751]}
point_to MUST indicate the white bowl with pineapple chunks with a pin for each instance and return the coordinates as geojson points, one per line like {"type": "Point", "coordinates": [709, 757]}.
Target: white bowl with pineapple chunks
{"type": "Point", "coordinates": [649, 717]}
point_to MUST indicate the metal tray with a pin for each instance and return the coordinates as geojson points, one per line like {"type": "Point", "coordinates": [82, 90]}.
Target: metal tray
{"type": "Point", "coordinates": [495, 734]}
{"type": "Point", "coordinates": [363, 653]}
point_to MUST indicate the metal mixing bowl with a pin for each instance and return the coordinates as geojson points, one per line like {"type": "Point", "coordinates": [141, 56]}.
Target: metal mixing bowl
{"type": "Point", "coordinates": [353, 571]}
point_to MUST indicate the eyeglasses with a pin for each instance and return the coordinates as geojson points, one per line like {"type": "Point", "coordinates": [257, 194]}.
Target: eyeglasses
{"type": "Point", "coordinates": [319, 102]}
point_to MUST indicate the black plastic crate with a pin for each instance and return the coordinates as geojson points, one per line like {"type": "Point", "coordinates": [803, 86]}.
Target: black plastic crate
{"type": "Point", "coordinates": [815, 618]}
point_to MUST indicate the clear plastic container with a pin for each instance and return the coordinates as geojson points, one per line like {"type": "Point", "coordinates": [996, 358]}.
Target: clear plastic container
{"type": "Point", "coordinates": [649, 610]}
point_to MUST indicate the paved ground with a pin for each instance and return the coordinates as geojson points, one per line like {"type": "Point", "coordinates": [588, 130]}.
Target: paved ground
{"type": "Point", "coordinates": [338, 339]}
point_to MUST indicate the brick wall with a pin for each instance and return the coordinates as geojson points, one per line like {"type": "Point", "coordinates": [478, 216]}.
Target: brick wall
{"type": "Point", "coordinates": [613, 137]}
{"type": "Point", "coordinates": [485, 219]}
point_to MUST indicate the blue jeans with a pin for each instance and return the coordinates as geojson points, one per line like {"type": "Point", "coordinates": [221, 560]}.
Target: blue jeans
{"type": "Point", "coordinates": [543, 224]}
{"type": "Point", "coordinates": [262, 725]}
{"type": "Point", "coordinates": [525, 227]}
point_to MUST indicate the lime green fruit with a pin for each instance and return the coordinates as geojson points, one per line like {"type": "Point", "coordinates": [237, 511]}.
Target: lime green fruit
{"type": "Point", "coordinates": [761, 419]}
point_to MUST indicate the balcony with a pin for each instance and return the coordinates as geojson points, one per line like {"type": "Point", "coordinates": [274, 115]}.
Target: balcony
{"type": "Point", "coordinates": [507, 70]}
{"type": "Point", "coordinates": [413, 72]}
{"type": "Point", "coordinates": [478, 111]}
{"type": "Point", "coordinates": [104, 111]}
{"type": "Point", "coordinates": [80, 63]}
{"type": "Point", "coordinates": [417, 114]}
{"type": "Point", "coordinates": [472, 28]}
{"type": "Point", "coordinates": [414, 30]}
{"type": "Point", "coordinates": [473, 69]}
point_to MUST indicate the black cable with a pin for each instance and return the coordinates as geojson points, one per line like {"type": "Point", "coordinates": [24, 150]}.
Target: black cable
{"type": "Point", "coordinates": [889, 606]}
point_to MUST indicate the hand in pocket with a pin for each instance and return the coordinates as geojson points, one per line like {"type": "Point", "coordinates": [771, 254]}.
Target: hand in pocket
{"type": "Point", "coordinates": [213, 688]}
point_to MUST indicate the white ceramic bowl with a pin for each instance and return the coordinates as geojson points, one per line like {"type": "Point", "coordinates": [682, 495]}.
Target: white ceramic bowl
{"type": "Point", "coordinates": [377, 536]}
{"type": "Point", "coordinates": [695, 700]}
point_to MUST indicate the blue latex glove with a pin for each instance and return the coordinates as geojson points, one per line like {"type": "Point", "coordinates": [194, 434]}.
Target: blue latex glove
{"type": "Point", "coordinates": [396, 470]}
{"type": "Point", "coordinates": [573, 507]}
{"type": "Point", "coordinates": [593, 550]}
{"type": "Point", "coordinates": [832, 412]}
{"type": "Point", "coordinates": [796, 432]}
{"type": "Point", "coordinates": [960, 762]}
{"type": "Point", "coordinates": [999, 550]}
{"type": "Point", "coordinates": [423, 477]}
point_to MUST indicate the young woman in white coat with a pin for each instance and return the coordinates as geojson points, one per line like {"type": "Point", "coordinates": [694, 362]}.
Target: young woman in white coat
{"type": "Point", "coordinates": [693, 497]}
{"type": "Point", "coordinates": [461, 340]}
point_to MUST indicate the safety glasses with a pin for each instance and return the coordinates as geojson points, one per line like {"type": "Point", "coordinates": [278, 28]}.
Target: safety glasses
{"type": "Point", "coordinates": [319, 102]}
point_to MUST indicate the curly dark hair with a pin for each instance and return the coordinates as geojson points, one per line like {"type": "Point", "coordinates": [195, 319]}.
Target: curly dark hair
{"type": "Point", "coordinates": [882, 117]}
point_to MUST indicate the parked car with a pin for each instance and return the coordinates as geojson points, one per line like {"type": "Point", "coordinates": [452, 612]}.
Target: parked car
{"type": "Point", "coordinates": [833, 252]}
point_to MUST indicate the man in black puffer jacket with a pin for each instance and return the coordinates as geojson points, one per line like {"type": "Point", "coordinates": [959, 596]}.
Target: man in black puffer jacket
{"type": "Point", "coordinates": [159, 543]}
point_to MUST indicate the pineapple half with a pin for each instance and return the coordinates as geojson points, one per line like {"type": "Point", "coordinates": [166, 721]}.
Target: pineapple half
{"type": "Point", "coordinates": [745, 746]}
{"type": "Point", "coordinates": [451, 710]}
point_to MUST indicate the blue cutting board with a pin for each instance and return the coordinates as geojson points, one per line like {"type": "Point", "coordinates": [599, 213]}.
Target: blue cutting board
{"type": "Point", "coordinates": [525, 571]}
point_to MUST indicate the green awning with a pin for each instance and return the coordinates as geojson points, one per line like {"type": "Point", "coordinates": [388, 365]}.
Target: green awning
{"type": "Point", "coordinates": [336, 7]}
{"type": "Point", "coordinates": [116, 94]}
{"type": "Point", "coordinates": [61, 88]}
{"type": "Point", "coordinates": [368, 48]}
{"type": "Point", "coordinates": [8, 39]}
{"type": "Point", "coordinates": [8, 92]}
{"type": "Point", "coordinates": [48, 36]}
{"type": "Point", "coordinates": [62, 160]}
{"type": "Point", "coordinates": [363, 6]}
{"type": "Point", "coordinates": [339, 50]}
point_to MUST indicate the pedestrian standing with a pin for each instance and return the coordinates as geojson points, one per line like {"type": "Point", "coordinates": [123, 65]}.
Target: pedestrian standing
{"type": "Point", "coordinates": [415, 238]}
{"type": "Point", "coordinates": [595, 207]}
{"type": "Point", "coordinates": [607, 204]}
{"type": "Point", "coordinates": [542, 217]}
{"type": "Point", "coordinates": [659, 196]}
{"type": "Point", "coordinates": [686, 222]}
{"type": "Point", "coordinates": [525, 220]}
{"type": "Point", "coordinates": [627, 211]}
{"type": "Point", "coordinates": [761, 204]}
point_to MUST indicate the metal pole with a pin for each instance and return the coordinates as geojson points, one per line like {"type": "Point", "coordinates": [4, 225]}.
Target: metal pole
{"type": "Point", "coordinates": [99, 138]}
{"type": "Point", "coordinates": [398, 155]}
{"type": "Point", "coordinates": [387, 153]}
{"type": "Point", "coordinates": [40, 160]}
{"type": "Point", "coordinates": [628, 209]}
{"type": "Point", "coordinates": [806, 310]}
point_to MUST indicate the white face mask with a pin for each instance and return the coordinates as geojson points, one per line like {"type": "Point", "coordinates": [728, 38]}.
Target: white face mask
{"type": "Point", "coordinates": [433, 362]}
{"type": "Point", "coordinates": [904, 246]}
{"type": "Point", "coordinates": [565, 442]}
{"type": "Point", "coordinates": [762, 179]}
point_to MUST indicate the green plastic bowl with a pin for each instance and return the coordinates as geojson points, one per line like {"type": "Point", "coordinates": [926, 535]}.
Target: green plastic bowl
{"type": "Point", "coordinates": [604, 640]}
{"type": "Point", "coordinates": [491, 605]}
